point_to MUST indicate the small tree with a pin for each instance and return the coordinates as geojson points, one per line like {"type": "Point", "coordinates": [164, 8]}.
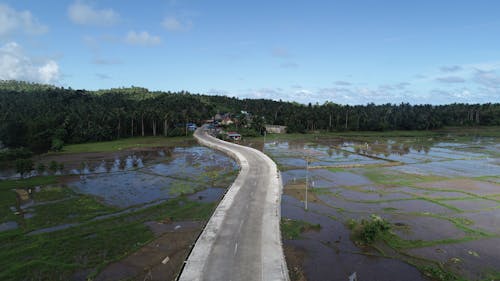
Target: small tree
{"type": "Point", "coordinates": [57, 144]}
{"type": "Point", "coordinates": [41, 168]}
{"type": "Point", "coordinates": [24, 166]}
{"type": "Point", "coordinates": [61, 167]}
{"type": "Point", "coordinates": [53, 166]}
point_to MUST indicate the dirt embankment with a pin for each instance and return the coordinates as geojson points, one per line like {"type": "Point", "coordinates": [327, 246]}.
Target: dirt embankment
{"type": "Point", "coordinates": [160, 259]}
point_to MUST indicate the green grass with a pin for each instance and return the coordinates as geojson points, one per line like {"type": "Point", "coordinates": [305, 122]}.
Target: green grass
{"type": "Point", "coordinates": [69, 211]}
{"type": "Point", "coordinates": [439, 274]}
{"type": "Point", "coordinates": [8, 195]}
{"type": "Point", "coordinates": [292, 229]}
{"type": "Point", "coordinates": [52, 193]}
{"type": "Point", "coordinates": [380, 176]}
{"type": "Point", "coordinates": [91, 245]}
{"type": "Point", "coordinates": [26, 183]}
{"type": "Point", "coordinates": [121, 144]}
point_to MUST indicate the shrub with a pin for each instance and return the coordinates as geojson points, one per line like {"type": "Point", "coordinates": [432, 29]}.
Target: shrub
{"type": "Point", "coordinates": [370, 230]}
{"type": "Point", "coordinates": [53, 166]}
{"type": "Point", "coordinates": [15, 153]}
{"type": "Point", "coordinates": [24, 166]}
{"type": "Point", "coordinates": [57, 144]}
{"type": "Point", "coordinates": [41, 168]}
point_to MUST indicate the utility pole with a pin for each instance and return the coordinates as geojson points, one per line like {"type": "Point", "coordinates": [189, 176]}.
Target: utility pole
{"type": "Point", "coordinates": [307, 180]}
{"type": "Point", "coordinates": [264, 146]}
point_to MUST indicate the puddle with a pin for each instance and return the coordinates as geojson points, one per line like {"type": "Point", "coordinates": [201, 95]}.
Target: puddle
{"type": "Point", "coordinates": [208, 195]}
{"type": "Point", "coordinates": [331, 245]}
{"type": "Point", "coordinates": [475, 257]}
{"type": "Point", "coordinates": [10, 225]}
{"type": "Point", "coordinates": [466, 185]}
{"type": "Point", "coordinates": [473, 204]}
{"type": "Point", "coordinates": [485, 220]}
{"type": "Point", "coordinates": [461, 168]}
{"type": "Point", "coordinates": [344, 193]}
{"type": "Point", "coordinates": [184, 172]}
{"type": "Point", "coordinates": [423, 228]}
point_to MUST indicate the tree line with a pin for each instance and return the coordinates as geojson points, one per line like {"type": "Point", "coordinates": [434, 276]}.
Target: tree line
{"type": "Point", "coordinates": [43, 117]}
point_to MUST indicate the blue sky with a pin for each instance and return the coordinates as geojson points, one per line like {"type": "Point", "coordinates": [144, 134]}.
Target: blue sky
{"type": "Point", "coordinates": [348, 52]}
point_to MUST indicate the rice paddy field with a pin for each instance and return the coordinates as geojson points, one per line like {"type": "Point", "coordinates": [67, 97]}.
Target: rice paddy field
{"type": "Point", "coordinates": [424, 207]}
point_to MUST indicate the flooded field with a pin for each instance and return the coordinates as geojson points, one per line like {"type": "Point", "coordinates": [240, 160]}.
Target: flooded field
{"type": "Point", "coordinates": [148, 201]}
{"type": "Point", "coordinates": [440, 197]}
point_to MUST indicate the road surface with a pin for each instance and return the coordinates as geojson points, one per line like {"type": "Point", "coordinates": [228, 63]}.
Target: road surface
{"type": "Point", "coordinates": [242, 239]}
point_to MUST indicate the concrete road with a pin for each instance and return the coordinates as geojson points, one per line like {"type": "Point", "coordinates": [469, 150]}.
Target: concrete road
{"type": "Point", "coordinates": [242, 240]}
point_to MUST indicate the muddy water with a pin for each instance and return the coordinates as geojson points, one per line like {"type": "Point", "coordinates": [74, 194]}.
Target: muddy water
{"type": "Point", "coordinates": [425, 210]}
{"type": "Point", "coordinates": [134, 179]}
{"type": "Point", "coordinates": [331, 253]}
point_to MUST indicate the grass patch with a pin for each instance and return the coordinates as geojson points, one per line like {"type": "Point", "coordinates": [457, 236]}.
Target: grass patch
{"type": "Point", "coordinates": [91, 245]}
{"type": "Point", "coordinates": [382, 177]}
{"type": "Point", "coordinates": [292, 229]}
{"type": "Point", "coordinates": [437, 273]}
{"type": "Point", "coordinates": [8, 195]}
{"type": "Point", "coordinates": [26, 183]}
{"type": "Point", "coordinates": [69, 211]}
{"type": "Point", "coordinates": [52, 193]}
{"type": "Point", "coordinates": [368, 231]}
{"type": "Point", "coordinates": [121, 144]}
{"type": "Point", "coordinates": [336, 169]}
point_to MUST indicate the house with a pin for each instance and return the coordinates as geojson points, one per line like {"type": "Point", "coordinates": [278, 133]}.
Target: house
{"type": "Point", "coordinates": [233, 136]}
{"type": "Point", "coordinates": [275, 129]}
{"type": "Point", "coordinates": [227, 121]}
{"type": "Point", "coordinates": [191, 127]}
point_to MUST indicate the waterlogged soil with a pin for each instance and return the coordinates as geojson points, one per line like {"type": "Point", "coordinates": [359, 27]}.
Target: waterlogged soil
{"type": "Point", "coordinates": [473, 259]}
{"type": "Point", "coordinates": [161, 259]}
{"type": "Point", "coordinates": [330, 252]}
{"type": "Point", "coordinates": [134, 181]}
{"type": "Point", "coordinates": [465, 185]}
{"type": "Point", "coordinates": [445, 193]}
{"type": "Point", "coordinates": [125, 185]}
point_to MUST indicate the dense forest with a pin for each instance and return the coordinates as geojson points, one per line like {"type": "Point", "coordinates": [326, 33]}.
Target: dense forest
{"type": "Point", "coordinates": [43, 117]}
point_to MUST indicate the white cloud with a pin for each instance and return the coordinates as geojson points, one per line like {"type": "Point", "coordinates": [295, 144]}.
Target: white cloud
{"type": "Point", "coordinates": [15, 65]}
{"type": "Point", "coordinates": [450, 79]}
{"type": "Point", "coordinates": [289, 65]}
{"type": "Point", "coordinates": [102, 76]}
{"type": "Point", "coordinates": [342, 83]}
{"type": "Point", "coordinates": [14, 21]}
{"type": "Point", "coordinates": [105, 61]}
{"type": "Point", "coordinates": [84, 14]}
{"type": "Point", "coordinates": [142, 38]}
{"type": "Point", "coordinates": [488, 79]}
{"type": "Point", "coordinates": [280, 52]}
{"type": "Point", "coordinates": [171, 23]}
{"type": "Point", "coordinates": [452, 68]}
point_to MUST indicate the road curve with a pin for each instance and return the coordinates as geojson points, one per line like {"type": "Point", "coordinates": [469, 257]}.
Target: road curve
{"type": "Point", "coordinates": [242, 239]}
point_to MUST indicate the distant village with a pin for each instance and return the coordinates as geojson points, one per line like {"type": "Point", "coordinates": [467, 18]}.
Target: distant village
{"type": "Point", "coordinates": [228, 126]}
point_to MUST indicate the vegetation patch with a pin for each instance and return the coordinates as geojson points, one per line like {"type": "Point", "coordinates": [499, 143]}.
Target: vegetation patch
{"type": "Point", "coordinates": [292, 229]}
{"type": "Point", "coordinates": [122, 144]}
{"type": "Point", "coordinates": [437, 273]}
{"type": "Point", "coordinates": [90, 245]}
{"type": "Point", "coordinates": [52, 193]}
{"type": "Point", "coordinates": [368, 231]}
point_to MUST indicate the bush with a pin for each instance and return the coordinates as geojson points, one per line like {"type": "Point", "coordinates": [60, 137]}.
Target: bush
{"type": "Point", "coordinates": [57, 144]}
{"type": "Point", "coordinates": [53, 166]}
{"type": "Point", "coordinates": [370, 230]}
{"type": "Point", "coordinates": [24, 166]}
{"type": "Point", "coordinates": [15, 153]}
{"type": "Point", "coordinates": [41, 168]}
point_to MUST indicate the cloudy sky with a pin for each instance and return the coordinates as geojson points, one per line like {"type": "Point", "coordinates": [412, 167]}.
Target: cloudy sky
{"type": "Point", "coordinates": [349, 52]}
